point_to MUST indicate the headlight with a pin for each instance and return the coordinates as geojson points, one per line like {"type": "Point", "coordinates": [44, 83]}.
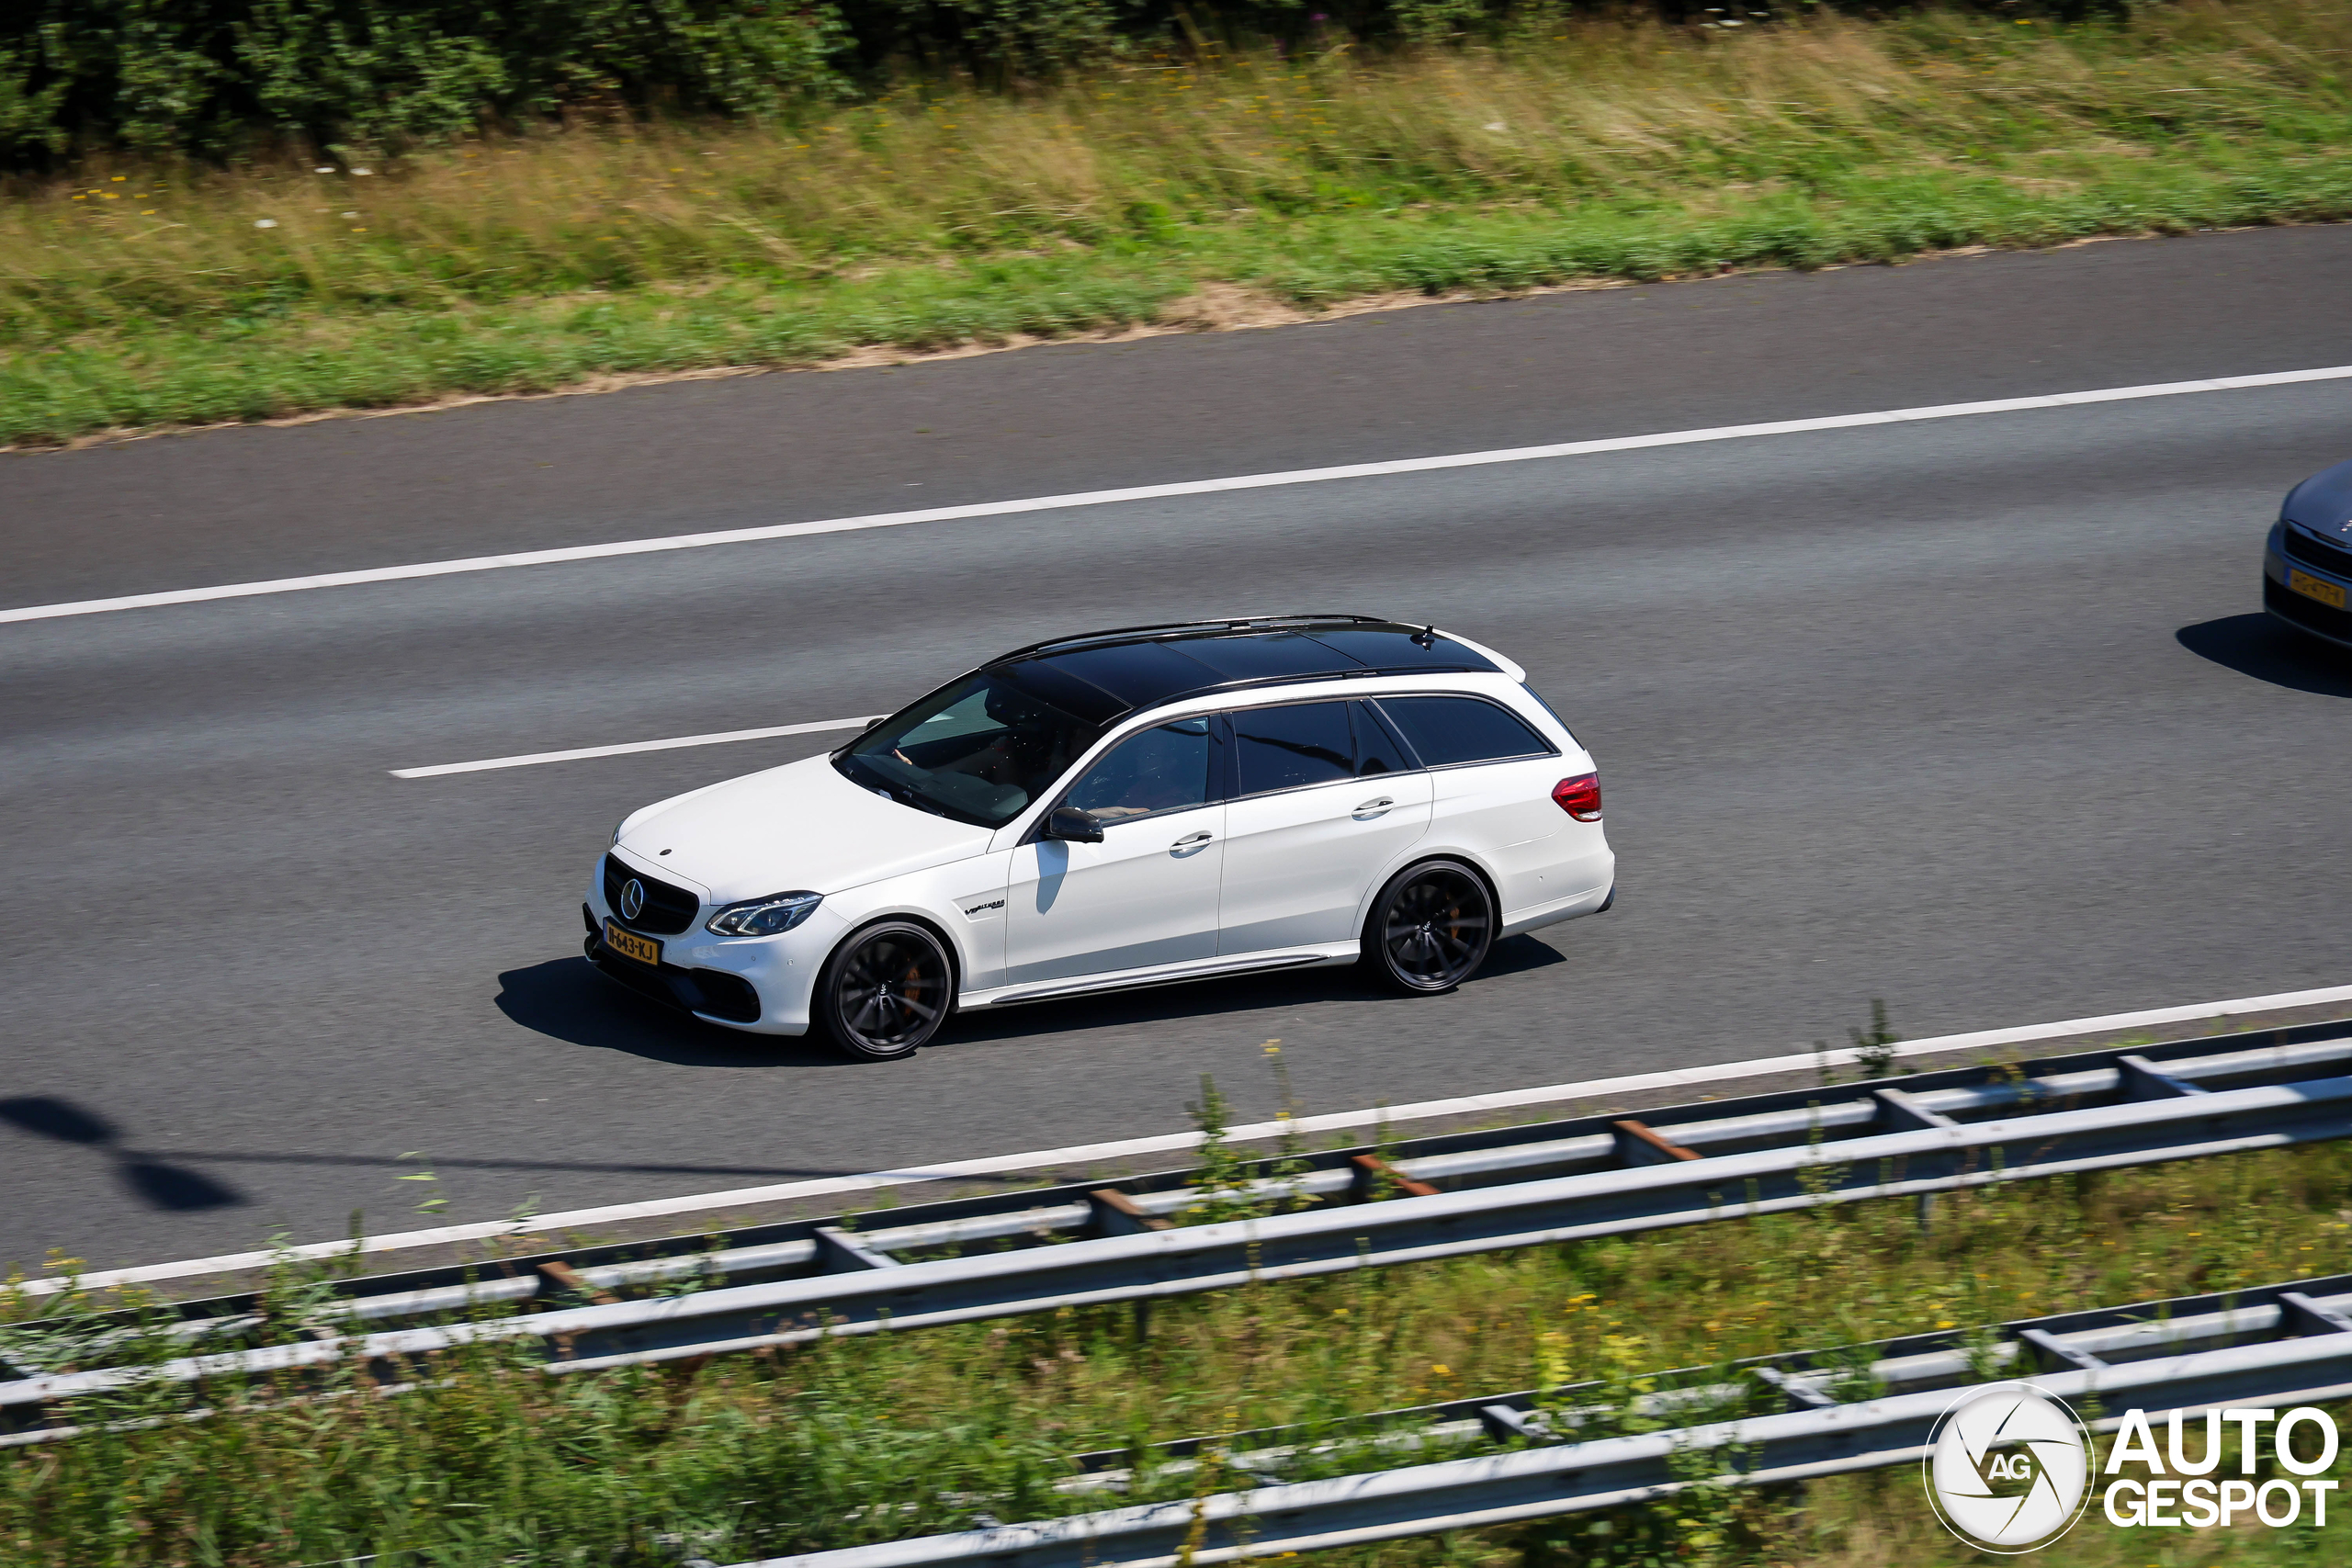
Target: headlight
{"type": "Point", "coordinates": [765, 917]}
{"type": "Point", "coordinates": [617, 829]}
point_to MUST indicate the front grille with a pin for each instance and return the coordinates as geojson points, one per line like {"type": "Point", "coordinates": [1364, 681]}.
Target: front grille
{"type": "Point", "coordinates": [2325, 620]}
{"type": "Point", "coordinates": [2319, 553]}
{"type": "Point", "coordinates": [669, 909]}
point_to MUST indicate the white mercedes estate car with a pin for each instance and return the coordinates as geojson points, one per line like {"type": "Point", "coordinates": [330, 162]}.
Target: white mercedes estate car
{"type": "Point", "coordinates": [1124, 808]}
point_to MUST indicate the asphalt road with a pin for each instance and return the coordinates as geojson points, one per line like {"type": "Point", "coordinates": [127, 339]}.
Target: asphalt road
{"type": "Point", "coordinates": [1974, 716]}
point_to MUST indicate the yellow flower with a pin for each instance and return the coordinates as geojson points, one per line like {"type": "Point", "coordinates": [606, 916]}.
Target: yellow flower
{"type": "Point", "coordinates": [1441, 1371]}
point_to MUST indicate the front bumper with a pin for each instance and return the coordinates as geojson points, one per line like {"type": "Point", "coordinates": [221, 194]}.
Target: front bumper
{"type": "Point", "coordinates": [705, 992]}
{"type": "Point", "coordinates": [2305, 615]}
{"type": "Point", "coordinates": [761, 985]}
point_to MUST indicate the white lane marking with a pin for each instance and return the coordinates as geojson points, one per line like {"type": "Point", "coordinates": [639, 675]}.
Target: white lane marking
{"type": "Point", "coordinates": [1177, 1142]}
{"type": "Point", "coordinates": [1161, 493]}
{"type": "Point", "coordinates": [722, 737]}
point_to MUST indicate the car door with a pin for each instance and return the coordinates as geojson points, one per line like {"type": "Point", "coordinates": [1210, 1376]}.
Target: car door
{"type": "Point", "coordinates": [1493, 776]}
{"type": "Point", "coordinates": [1323, 801]}
{"type": "Point", "coordinates": [1147, 894]}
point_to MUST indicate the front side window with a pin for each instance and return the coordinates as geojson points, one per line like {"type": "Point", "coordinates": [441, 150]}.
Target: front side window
{"type": "Point", "coordinates": [1447, 731]}
{"type": "Point", "coordinates": [977, 752]}
{"type": "Point", "coordinates": [1165, 768]}
{"type": "Point", "coordinates": [1287, 748]}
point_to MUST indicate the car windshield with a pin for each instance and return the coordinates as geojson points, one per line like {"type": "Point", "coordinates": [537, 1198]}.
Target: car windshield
{"type": "Point", "coordinates": [977, 752]}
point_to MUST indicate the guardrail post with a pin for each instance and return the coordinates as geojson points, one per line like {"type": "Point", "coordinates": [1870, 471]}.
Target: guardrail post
{"type": "Point", "coordinates": [2303, 1317]}
{"type": "Point", "coordinates": [554, 1271]}
{"type": "Point", "coordinates": [839, 1252]}
{"type": "Point", "coordinates": [1112, 1212]}
{"type": "Point", "coordinates": [2142, 1079]}
{"type": "Point", "coordinates": [2054, 1355]}
{"type": "Point", "coordinates": [1899, 1113]}
{"type": "Point", "coordinates": [1504, 1423]}
{"type": "Point", "coordinates": [1371, 1171]}
{"type": "Point", "coordinates": [1799, 1393]}
{"type": "Point", "coordinates": [1639, 1143]}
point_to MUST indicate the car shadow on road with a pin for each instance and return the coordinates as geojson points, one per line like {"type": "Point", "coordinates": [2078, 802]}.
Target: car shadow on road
{"type": "Point", "coordinates": [1208, 998]}
{"type": "Point", "coordinates": [2259, 646]}
{"type": "Point", "coordinates": [566, 999]}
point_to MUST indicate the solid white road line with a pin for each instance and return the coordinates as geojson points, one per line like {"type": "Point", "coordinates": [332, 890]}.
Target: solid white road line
{"type": "Point", "coordinates": [1090, 1155]}
{"type": "Point", "coordinates": [1162, 493]}
{"type": "Point", "coordinates": [680, 743]}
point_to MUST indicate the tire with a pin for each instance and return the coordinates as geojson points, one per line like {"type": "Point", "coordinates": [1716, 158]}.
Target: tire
{"type": "Point", "coordinates": [885, 992]}
{"type": "Point", "coordinates": [1430, 928]}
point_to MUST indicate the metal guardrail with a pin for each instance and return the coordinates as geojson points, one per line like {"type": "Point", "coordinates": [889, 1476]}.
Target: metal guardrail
{"type": "Point", "coordinates": [1467, 1193]}
{"type": "Point", "coordinates": [1853, 1409]}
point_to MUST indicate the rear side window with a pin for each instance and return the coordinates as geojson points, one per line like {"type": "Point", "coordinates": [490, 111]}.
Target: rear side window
{"type": "Point", "coordinates": [1287, 748]}
{"type": "Point", "coordinates": [1450, 730]}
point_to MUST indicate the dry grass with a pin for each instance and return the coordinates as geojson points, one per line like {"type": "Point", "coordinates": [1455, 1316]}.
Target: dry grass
{"type": "Point", "coordinates": [935, 217]}
{"type": "Point", "coordinates": [873, 1439]}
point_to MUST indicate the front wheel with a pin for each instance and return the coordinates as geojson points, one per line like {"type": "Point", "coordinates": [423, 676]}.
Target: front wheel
{"type": "Point", "coordinates": [885, 992]}
{"type": "Point", "coordinates": [1430, 928]}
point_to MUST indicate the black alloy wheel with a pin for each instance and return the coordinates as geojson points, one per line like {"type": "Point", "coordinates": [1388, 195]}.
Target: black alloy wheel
{"type": "Point", "coordinates": [1430, 928]}
{"type": "Point", "coordinates": [886, 991]}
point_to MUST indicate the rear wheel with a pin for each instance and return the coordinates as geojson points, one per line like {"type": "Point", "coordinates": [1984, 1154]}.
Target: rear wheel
{"type": "Point", "coordinates": [1430, 928]}
{"type": "Point", "coordinates": [886, 991]}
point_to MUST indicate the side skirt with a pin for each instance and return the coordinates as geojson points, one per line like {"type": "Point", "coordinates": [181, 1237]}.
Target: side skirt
{"type": "Point", "coordinates": [1137, 979]}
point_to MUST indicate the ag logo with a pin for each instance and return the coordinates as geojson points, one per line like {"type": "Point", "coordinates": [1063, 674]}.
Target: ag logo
{"type": "Point", "coordinates": [2008, 1467]}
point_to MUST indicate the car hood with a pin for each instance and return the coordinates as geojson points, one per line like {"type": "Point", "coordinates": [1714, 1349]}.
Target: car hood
{"type": "Point", "coordinates": [798, 826]}
{"type": "Point", "coordinates": [2323, 502]}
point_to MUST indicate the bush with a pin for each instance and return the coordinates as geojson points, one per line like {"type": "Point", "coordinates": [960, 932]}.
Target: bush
{"type": "Point", "coordinates": [205, 76]}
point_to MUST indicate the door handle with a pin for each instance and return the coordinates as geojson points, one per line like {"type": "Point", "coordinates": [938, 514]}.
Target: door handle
{"type": "Point", "coordinates": [1375, 807]}
{"type": "Point", "coordinates": [1191, 840]}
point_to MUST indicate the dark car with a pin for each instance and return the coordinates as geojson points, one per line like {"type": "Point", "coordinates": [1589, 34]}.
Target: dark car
{"type": "Point", "coordinates": [2307, 570]}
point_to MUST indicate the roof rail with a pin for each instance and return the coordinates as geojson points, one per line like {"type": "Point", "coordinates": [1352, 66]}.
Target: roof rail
{"type": "Point", "coordinates": [1170, 629]}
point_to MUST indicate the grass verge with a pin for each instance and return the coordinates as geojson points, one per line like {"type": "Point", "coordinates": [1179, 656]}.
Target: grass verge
{"type": "Point", "coordinates": [863, 1440]}
{"type": "Point", "coordinates": [145, 295]}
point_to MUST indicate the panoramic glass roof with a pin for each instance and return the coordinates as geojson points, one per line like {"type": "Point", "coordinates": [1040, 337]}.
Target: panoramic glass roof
{"type": "Point", "coordinates": [1098, 681]}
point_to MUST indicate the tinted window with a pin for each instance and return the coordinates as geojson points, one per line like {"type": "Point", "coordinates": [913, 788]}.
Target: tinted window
{"type": "Point", "coordinates": [1284, 748]}
{"type": "Point", "coordinates": [1165, 768]}
{"type": "Point", "coordinates": [1548, 708]}
{"type": "Point", "coordinates": [1392, 648]}
{"type": "Point", "coordinates": [1445, 730]}
{"type": "Point", "coordinates": [977, 750]}
{"type": "Point", "coordinates": [1377, 749]}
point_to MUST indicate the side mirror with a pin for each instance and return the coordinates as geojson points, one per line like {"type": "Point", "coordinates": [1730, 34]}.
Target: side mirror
{"type": "Point", "coordinates": [1078, 827]}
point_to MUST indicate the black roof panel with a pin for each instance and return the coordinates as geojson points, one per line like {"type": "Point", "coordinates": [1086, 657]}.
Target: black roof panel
{"type": "Point", "coordinates": [1137, 674]}
{"type": "Point", "coordinates": [1099, 676]}
{"type": "Point", "coordinates": [1392, 648]}
{"type": "Point", "coordinates": [1267, 655]}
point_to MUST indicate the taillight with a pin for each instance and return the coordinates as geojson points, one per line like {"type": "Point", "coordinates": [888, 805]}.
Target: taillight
{"type": "Point", "coordinates": [1579, 796]}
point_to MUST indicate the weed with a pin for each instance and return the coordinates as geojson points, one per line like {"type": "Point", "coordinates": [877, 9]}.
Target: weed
{"type": "Point", "coordinates": [1151, 191]}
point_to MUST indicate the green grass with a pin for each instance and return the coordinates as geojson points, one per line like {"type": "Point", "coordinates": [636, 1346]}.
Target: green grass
{"type": "Point", "coordinates": [868, 1438]}
{"type": "Point", "coordinates": [143, 295]}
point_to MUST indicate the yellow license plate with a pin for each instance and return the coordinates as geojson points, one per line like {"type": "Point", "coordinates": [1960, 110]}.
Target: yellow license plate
{"type": "Point", "coordinates": [2310, 587]}
{"type": "Point", "coordinates": [629, 944]}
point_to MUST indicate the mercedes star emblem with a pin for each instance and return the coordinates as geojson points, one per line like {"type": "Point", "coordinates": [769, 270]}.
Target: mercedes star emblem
{"type": "Point", "coordinates": [632, 899]}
